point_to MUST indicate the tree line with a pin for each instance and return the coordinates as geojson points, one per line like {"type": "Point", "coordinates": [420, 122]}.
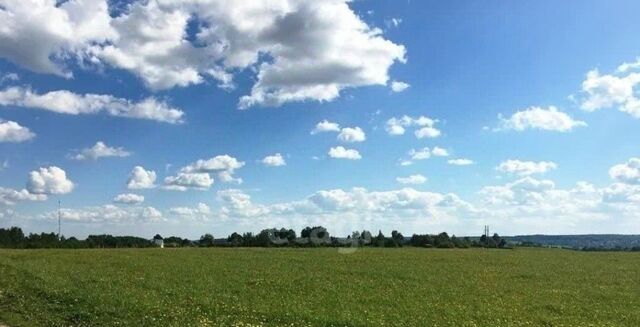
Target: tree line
{"type": "Point", "coordinates": [316, 236]}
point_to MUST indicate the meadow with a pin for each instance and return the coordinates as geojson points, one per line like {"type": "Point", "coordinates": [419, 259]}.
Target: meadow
{"type": "Point", "coordinates": [318, 287]}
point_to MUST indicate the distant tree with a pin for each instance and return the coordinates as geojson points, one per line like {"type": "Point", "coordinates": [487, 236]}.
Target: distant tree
{"type": "Point", "coordinates": [365, 237]}
{"type": "Point", "coordinates": [503, 243]}
{"type": "Point", "coordinates": [12, 237]}
{"type": "Point", "coordinates": [235, 239]}
{"type": "Point", "coordinates": [380, 239]}
{"type": "Point", "coordinates": [483, 240]}
{"type": "Point", "coordinates": [206, 240]}
{"type": "Point", "coordinates": [496, 238]}
{"type": "Point", "coordinates": [157, 237]}
{"type": "Point", "coordinates": [248, 239]}
{"type": "Point", "coordinates": [398, 238]}
{"type": "Point", "coordinates": [306, 232]}
{"type": "Point", "coordinates": [319, 236]}
{"type": "Point", "coordinates": [173, 241]}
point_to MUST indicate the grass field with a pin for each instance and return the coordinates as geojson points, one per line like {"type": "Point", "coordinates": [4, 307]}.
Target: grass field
{"type": "Point", "coordinates": [318, 287]}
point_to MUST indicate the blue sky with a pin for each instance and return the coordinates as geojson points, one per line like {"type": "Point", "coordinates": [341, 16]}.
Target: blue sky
{"type": "Point", "coordinates": [534, 95]}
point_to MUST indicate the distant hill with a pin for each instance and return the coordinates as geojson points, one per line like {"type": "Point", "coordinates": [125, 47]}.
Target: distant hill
{"type": "Point", "coordinates": [600, 241]}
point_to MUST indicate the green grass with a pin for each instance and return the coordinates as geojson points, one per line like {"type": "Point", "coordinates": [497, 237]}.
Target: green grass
{"type": "Point", "coordinates": [318, 287]}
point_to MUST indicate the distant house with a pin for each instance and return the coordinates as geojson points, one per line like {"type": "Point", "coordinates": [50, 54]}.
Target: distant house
{"type": "Point", "coordinates": [158, 241]}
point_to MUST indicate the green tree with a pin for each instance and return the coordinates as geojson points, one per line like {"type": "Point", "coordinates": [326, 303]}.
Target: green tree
{"type": "Point", "coordinates": [206, 240]}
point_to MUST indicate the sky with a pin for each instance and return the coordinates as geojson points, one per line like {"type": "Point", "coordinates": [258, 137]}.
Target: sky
{"type": "Point", "coordinates": [207, 116]}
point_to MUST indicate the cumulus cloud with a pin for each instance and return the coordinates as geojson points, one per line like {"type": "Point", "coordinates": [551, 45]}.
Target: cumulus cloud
{"type": "Point", "coordinates": [200, 212]}
{"type": "Point", "coordinates": [67, 102]}
{"type": "Point", "coordinates": [440, 152]}
{"type": "Point", "coordinates": [10, 196]}
{"type": "Point", "coordinates": [128, 198]}
{"type": "Point", "coordinates": [300, 50]}
{"type": "Point", "coordinates": [346, 134]}
{"type": "Point", "coordinates": [615, 90]}
{"type": "Point", "coordinates": [42, 35]}
{"type": "Point", "coordinates": [12, 132]}
{"type": "Point", "coordinates": [140, 178]}
{"type": "Point", "coordinates": [100, 150]}
{"type": "Point", "coordinates": [423, 154]}
{"type": "Point", "coordinates": [49, 180]}
{"type": "Point", "coordinates": [413, 179]}
{"type": "Point", "coordinates": [627, 173]}
{"type": "Point", "coordinates": [325, 126]}
{"type": "Point", "coordinates": [110, 214]}
{"type": "Point", "coordinates": [548, 119]}
{"type": "Point", "coordinates": [526, 168]}
{"type": "Point", "coordinates": [185, 181]}
{"type": "Point", "coordinates": [461, 162]}
{"type": "Point", "coordinates": [420, 154]}
{"type": "Point", "coordinates": [197, 175]}
{"type": "Point", "coordinates": [347, 210]}
{"type": "Point", "coordinates": [397, 86]}
{"type": "Point", "coordinates": [340, 152]}
{"type": "Point", "coordinates": [352, 135]}
{"type": "Point", "coordinates": [224, 165]}
{"type": "Point", "coordinates": [274, 160]}
{"type": "Point", "coordinates": [425, 126]}
{"type": "Point", "coordinates": [11, 77]}
{"type": "Point", "coordinates": [524, 205]}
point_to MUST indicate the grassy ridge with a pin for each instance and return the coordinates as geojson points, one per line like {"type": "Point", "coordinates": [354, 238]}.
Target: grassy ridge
{"type": "Point", "coordinates": [318, 287]}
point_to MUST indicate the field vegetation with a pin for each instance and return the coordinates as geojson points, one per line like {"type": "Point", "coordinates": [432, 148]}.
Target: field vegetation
{"type": "Point", "coordinates": [406, 286]}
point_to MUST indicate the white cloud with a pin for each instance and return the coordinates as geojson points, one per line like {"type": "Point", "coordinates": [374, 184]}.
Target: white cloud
{"type": "Point", "coordinates": [526, 168]}
{"type": "Point", "coordinates": [352, 135]}
{"type": "Point", "coordinates": [627, 173]}
{"type": "Point", "coordinates": [413, 179]}
{"type": "Point", "coordinates": [128, 198]}
{"type": "Point", "coordinates": [627, 66]}
{"type": "Point", "coordinates": [140, 178]}
{"type": "Point", "coordinates": [461, 162]}
{"type": "Point", "coordinates": [393, 22]}
{"type": "Point", "coordinates": [10, 197]}
{"type": "Point", "coordinates": [49, 180]}
{"type": "Point", "coordinates": [275, 160]}
{"type": "Point", "coordinates": [420, 154]}
{"type": "Point", "coordinates": [549, 119]}
{"type": "Point", "coordinates": [218, 163]}
{"type": "Point", "coordinates": [427, 132]}
{"type": "Point", "coordinates": [326, 126]}
{"type": "Point", "coordinates": [426, 126]}
{"type": "Point", "coordinates": [397, 86]}
{"type": "Point", "coordinates": [42, 35]}
{"type": "Point", "coordinates": [614, 90]}
{"type": "Point", "coordinates": [200, 212]}
{"type": "Point", "coordinates": [340, 152]}
{"type": "Point", "coordinates": [100, 150]}
{"type": "Point", "coordinates": [347, 210]}
{"type": "Point", "coordinates": [526, 205]}
{"type": "Point", "coordinates": [109, 213]}
{"type": "Point", "coordinates": [440, 152]}
{"type": "Point", "coordinates": [67, 102]}
{"type": "Point", "coordinates": [11, 77]}
{"type": "Point", "coordinates": [224, 165]}
{"type": "Point", "coordinates": [347, 134]}
{"type": "Point", "coordinates": [11, 131]}
{"type": "Point", "coordinates": [185, 181]}
{"type": "Point", "coordinates": [423, 154]}
{"type": "Point", "coordinates": [300, 50]}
